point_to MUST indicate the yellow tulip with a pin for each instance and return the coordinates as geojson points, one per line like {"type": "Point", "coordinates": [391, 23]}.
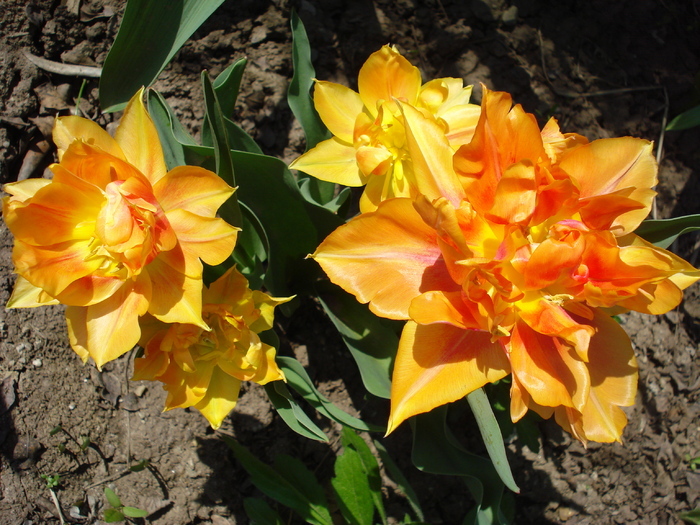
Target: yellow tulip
{"type": "Point", "coordinates": [509, 261]}
{"type": "Point", "coordinates": [114, 234]}
{"type": "Point", "coordinates": [369, 137]}
{"type": "Point", "coordinates": [204, 368]}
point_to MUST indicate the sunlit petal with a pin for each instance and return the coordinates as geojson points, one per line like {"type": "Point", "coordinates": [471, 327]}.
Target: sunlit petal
{"type": "Point", "coordinates": [338, 107]}
{"type": "Point", "coordinates": [333, 161]}
{"type": "Point", "coordinates": [192, 189]}
{"type": "Point", "coordinates": [68, 129]}
{"type": "Point", "coordinates": [387, 76]}
{"type": "Point", "coordinates": [220, 399]}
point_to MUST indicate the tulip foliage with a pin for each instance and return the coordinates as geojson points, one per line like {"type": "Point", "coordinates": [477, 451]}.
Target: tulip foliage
{"type": "Point", "coordinates": [487, 250]}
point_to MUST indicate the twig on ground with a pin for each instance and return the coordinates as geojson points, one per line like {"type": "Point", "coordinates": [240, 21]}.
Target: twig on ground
{"type": "Point", "coordinates": [63, 69]}
{"type": "Point", "coordinates": [58, 506]}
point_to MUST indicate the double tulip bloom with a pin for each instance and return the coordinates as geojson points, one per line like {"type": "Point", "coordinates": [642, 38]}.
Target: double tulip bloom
{"type": "Point", "coordinates": [114, 235]}
{"type": "Point", "coordinates": [509, 256]}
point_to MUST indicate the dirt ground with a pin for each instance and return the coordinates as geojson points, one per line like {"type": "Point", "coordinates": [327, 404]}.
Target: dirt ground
{"type": "Point", "coordinates": [603, 68]}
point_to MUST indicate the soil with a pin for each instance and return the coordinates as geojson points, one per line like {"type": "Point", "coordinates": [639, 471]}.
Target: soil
{"type": "Point", "coordinates": [603, 68]}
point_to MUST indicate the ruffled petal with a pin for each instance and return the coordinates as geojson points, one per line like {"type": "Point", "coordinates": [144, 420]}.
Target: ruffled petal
{"type": "Point", "coordinates": [26, 295]}
{"type": "Point", "coordinates": [138, 138]}
{"type": "Point", "coordinates": [386, 76]}
{"type": "Point", "coordinates": [385, 258]}
{"type": "Point", "coordinates": [211, 240]}
{"type": "Point", "coordinates": [220, 399]}
{"type": "Point", "coordinates": [333, 161]}
{"type": "Point", "coordinates": [192, 189]}
{"type": "Point", "coordinates": [438, 364]}
{"type": "Point", "coordinates": [67, 130]}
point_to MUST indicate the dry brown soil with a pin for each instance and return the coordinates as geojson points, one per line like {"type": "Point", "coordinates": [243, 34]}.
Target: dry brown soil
{"type": "Point", "coordinates": [601, 67]}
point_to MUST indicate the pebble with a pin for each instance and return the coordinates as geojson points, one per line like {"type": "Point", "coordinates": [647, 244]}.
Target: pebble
{"type": "Point", "coordinates": [37, 363]}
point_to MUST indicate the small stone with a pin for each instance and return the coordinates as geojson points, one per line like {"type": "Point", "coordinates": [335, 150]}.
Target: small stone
{"type": "Point", "coordinates": [71, 407]}
{"type": "Point", "coordinates": [259, 34]}
{"type": "Point", "coordinates": [510, 16]}
{"type": "Point", "coordinates": [37, 363]}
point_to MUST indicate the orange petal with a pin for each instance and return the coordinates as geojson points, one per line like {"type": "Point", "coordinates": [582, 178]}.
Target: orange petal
{"type": "Point", "coordinates": [333, 161]}
{"type": "Point", "coordinates": [138, 138]}
{"type": "Point", "coordinates": [338, 107]}
{"type": "Point", "coordinates": [220, 399]}
{"type": "Point", "coordinates": [431, 157]}
{"type": "Point", "coordinates": [516, 194]}
{"type": "Point", "coordinates": [444, 307]}
{"type": "Point", "coordinates": [438, 364]}
{"type": "Point", "coordinates": [613, 371]}
{"type": "Point", "coordinates": [211, 240]}
{"type": "Point", "coordinates": [192, 189]}
{"type": "Point", "coordinates": [386, 76]}
{"type": "Point", "coordinates": [109, 329]}
{"type": "Point", "coordinates": [548, 369]}
{"type": "Point", "coordinates": [385, 258]}
{"type": "Point", "coordinates": [608, 165]}
{"type": "Point", "coordinates": [67, 130]}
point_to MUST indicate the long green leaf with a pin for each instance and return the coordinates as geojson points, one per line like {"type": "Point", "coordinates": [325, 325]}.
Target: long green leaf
{"type": "Point", "coordinates": [371, 342]}
{"type": "Point", "coordinates": [491, 434]}
{"type": "Point", "coordinates": [398, 477]}
{"type": "Point", "coordinates": [296, 473]}
{"type": "Point", "coordinates": [351, 440]}
{"type": "Point", "coordinates": [277, 487]}
{"type": "Point", "coordinates": [687, 119]}
{"type": "Point", "coordinates": [299, 380]}
{"type": "Point", "coordinates": [291, 412]}
{"type": "Point", "coordinates": [435, 450]}
{"type": "Point", "coordinates": [260, 513]}
{"type": "Point", "coordinates": [151, 32]}
{"type": "Point", "coordinates": [352, 489]}
{"type": "Point", "coordinates": [662, 232]}
{"type": "Point", "coordinates": [229, 211]}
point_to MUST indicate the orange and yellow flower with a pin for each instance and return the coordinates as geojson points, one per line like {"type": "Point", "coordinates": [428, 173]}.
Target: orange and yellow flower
{"type": "Point", "coordinates": [204, 368]}
{"type": "Point", "coordinates": [510, 261]}
{"type": "Point", "coordinates": [114, 234]}
{"type": "Point", "coordinates": [368, 144]}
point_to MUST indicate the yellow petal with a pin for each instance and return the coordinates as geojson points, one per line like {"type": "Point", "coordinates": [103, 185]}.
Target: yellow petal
{"type": "Point", "coordinates": [338, 107]}
{"type": "Point", "coordinates": [607, 165]}
{"type": "Point", "coordinates": [386, 76]}
{"type": "Point", "coordinates": [266, 305]}
{"type": "Point", "coordinates": [26, 295]}
{"type": "Point", "coordinates": [192, 189]}
{"type": "Point", "coordinates": [461, 124]}
{"type": "Point", "coordinates": [67, 130]}
{"type": "Point", "coordinates": [138, 138]}
{"type": "Point", "coordinates": [211, 240]}
{"type": "Point", "coordinates": [333, 161]}
{"type": "Point", "coordinates": [385, 258]}
{"type": "Point", "coordinates": [23, 190]}
{"type": "Point", "coordinates": [431, 157]}
{"type": "Point", "coordinates": [220, 399]}
{"type": "Point", "coordinates": [440, 363]}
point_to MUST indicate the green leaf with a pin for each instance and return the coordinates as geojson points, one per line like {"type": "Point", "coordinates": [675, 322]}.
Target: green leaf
{"type": "Point", "coordinates": [351, 486]}
{"type": "Point", "coordinates": [662, 232]}
{"type": "Point", "coordinates": [151, 32]}
{"type": "Point", "coordinates": [687, 119]}
{"type": "Point", "coordinates": [141, 465]}
{"type": "Point", "coordinates": [398, 477]}
{"type": "Point", "coordinates": [296, 473]}
{"type": "Point", "coordinates": [692, 517]}
{"type": "Point", "coordinates": [291, 412]}
{"type": "Point", "coordinates": [113, 516]}
{"type": "Point", "coordinates": [229, 211]}
{"type": "Point", "coordinates": [112, 497]}
{"type": "Point", "coordinates": [435, 450]}
{"type": "Point", "coordinates": [227, 86]}
{"type": "Point", "coordinates": [277, 487]}
{"type": "Point", "coordinates": [351, 440]}
{"type": "Point", "coordinates": [299, 380]}
{"type": "Point", "coordinates": [133, 512]}
{"type": "Point", "coordinates": [260, 513]}
{"type": "Point", "coordinates": [491, 434]}
{"type": "Point", "coordinates": [371, 342]}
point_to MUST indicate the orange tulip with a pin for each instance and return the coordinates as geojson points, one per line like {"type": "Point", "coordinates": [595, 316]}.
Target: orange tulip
{"type": "Point", "coordinates": [368, 144]}
{"type": "Point", "coordinates": [508, 262]}
{"type": "Point", "coordinates": [204, 368]}
{"type": "Point", "coordinates": [115, 235]}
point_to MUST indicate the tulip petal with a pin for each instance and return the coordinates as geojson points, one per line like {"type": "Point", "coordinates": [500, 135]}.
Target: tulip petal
{"type": "Point", "coordinates": [385, 258]}
{"type": "Point", "coordinates": [608, 165]}
{"type": "Point", "coordinates": [68, 129]}
{"type": "Point", "coordinates": [23, 190]}
{"type": "Point", "coordinates": [211, 240]}
{"type": "Point", "coordinates": [220, 399]}
{"type": "Point", "coordinates": [26, 295]}
{"type": "Point", "coordinates": [438, 364]}
{"type": "Point", "coordinates": [192, 189]}
{"type": "Point", "coordinates": [431, 157]}
{"type": "Point", "coordinates": [386, 76]}
{"type": "Point", "coordinates": [138, 138]}
{"type": "Point", "coordinates": [109, 329]}
{"type": "Point", "coordinates": [338, 107]}
{"type": "Point", "coordinates": [333, 161]}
